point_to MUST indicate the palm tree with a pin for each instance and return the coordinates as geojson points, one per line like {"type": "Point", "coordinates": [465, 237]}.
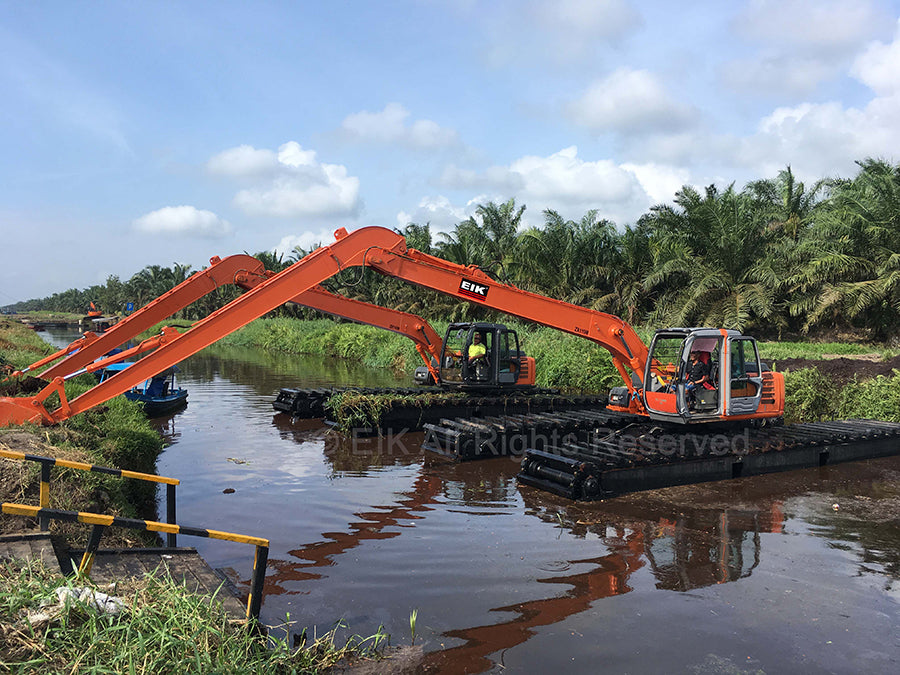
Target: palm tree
{"type": "Point", "coordinates": [791, 211]}
{"type": "Point", "coordinates": [631, 265]}
{"type": "Point", "coordinates": [486, 239]}
{"type": "Point", "coordinates": [855, 270]}
{"type": "Point", "coordinates": [567, 260]}
{"type": "Point", "coordinates": [711, 255]}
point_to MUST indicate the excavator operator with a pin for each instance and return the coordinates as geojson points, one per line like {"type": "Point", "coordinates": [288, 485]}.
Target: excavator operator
{"type": "Point", "coordinates": [477, 350]}
{"type": "Point", "coordinates": [698, 375]}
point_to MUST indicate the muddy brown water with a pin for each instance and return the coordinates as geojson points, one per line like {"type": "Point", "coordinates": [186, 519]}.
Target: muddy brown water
{"type": "Point", "coordinates": [758, 574]}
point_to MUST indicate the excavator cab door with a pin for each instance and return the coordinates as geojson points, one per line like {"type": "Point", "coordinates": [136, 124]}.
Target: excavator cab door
{"type": "Point", "coordinates": [452, 361]}
{"type": "Point", "coordinates": [664, 395]}
{"type": "Point", "coordinates": [745, 375]}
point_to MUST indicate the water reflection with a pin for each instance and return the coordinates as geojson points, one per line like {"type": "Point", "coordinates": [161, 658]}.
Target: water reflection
{"type": "Point", "coordinates": [372, 525]}
{"type": "Point", "coordinates": [352, 454]}
{"type": "Point", "coordinates": [607, 577]}
{"type": "Point", "coordinates": [684, 551]}
{"type": "Point", "coordinates": [168, 426]}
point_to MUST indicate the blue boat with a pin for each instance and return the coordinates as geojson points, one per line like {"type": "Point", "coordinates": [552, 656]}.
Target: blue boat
{"type": "Point", "coordinates": [159, 395]}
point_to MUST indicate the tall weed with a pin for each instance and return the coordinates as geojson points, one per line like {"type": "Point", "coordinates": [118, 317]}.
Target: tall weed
{"type": "Point", "coordinates": [877, 399]}
{"type": "Point", "coordinates": [809, 396]}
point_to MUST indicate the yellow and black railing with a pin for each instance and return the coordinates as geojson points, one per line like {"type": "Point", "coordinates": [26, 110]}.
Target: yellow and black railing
{"type": "Point", "coordinates": [48, 462]}
{"type": "Point", "coordinates": [100, 522]}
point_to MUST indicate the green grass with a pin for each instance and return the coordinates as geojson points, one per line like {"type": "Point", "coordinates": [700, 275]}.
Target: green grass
{"type": "Point", "coordinates": [563, 360]}
{"type": "Point", "coordinates": [165, 629]}
{"type": "Point", "coordinates": [370, 346]}
{"type": "Point", "coordinates": [354, 410]}
{"type": "Point", "coordinates": [20, 346]}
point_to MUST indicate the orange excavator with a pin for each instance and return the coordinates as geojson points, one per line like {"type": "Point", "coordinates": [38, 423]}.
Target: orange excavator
{"type": "Point", "coordinates": [245, 272]}
{"type": "Point", "coordinates": [84, 354]}
{"type": "Point", "coordinates": [655, 378]}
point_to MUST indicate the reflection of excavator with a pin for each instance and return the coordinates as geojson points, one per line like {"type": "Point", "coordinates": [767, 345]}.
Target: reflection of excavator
{"type": "Point", "coordinates": [702, 548]}
{"type": "Point", "coordinates": [655, 378]}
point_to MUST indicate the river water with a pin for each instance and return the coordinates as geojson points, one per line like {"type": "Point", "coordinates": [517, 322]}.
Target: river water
{"type": "Point", "coordinates": [760, 574]}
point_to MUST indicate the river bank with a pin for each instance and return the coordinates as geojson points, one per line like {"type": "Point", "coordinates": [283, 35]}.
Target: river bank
{"type": "Point", "coordinates": [164, 627]}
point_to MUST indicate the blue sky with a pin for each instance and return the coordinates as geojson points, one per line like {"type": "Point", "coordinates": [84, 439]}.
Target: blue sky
{"type": "Point", "coordinates": [139, 133]}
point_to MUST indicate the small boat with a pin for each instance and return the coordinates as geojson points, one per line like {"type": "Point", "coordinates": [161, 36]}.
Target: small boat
{"type": "Point", "coordinates": [159, 395]}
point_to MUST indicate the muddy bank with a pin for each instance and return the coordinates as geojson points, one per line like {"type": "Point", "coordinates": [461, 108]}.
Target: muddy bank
{"type": "Point", "coordinates": [842, 369]}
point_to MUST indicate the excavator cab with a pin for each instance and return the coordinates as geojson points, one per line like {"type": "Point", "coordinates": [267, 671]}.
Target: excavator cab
{"type": "Point", "coordinates": [738, 385]}
{"type": "Point", "coordinates": [484, 356]}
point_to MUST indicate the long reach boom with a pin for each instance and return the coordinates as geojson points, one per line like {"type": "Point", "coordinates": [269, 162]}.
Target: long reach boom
{"type": "Point", "coordinates": [382, 250]}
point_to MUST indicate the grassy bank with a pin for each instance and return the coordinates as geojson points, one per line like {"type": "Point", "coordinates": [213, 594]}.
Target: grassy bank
{"type": "Point", "coordinates": [163, 629]}
{"type": "Point", "coordinates": [166, 629]}
{"type": "Point", "coordinates": [564, 360]}
{"type": "Point", "coordinates": [367, 345]}
{"type": "Point", "coordinates": [813, 397]}
{"type": "Point", "coordinates": [115, 435]}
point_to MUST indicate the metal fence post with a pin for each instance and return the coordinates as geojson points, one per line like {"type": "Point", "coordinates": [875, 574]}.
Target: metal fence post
{"type": "Point", "coordinates": [171, 537]}
{"type": "Point", "coordinates": [87, 560]}
{"type": "Point", "coordinates": [254, 602]}
{"type": "Point", "coordinates": [44, 499]}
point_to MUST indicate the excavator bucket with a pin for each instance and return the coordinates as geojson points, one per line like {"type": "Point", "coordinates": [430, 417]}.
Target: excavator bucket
{"type": "Point", "coordinates": [19, 411]}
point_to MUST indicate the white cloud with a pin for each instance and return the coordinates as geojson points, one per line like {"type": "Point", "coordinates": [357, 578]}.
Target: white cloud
{"type": "Point", "coordinates": [331, 193]}
{"type": "Point", "coordinates": [879, 66]}
{"type": "Point", "coordinates": [779, 74]}
{"type": "Point", "coordinates": [801, 44]}
{"type": "Point", "coordinates": [556, 31]}
{"type": "Point", "coordinates": [583, 21]}
{"type": "Point", "coordinates": [563, 178]}
{"type": "Point", "coordinates": [291, 154]}
{"type": "Point", "coordinates": [307, 240]}
{"type": "Point", "coordinates": [243, 161]}
{"type": "Point", "coordinates": [183, 221]}
{"type": "Point", "coordinates": [498, 178]}
{"type": "Point", "coordinates": [823, 26]}
{"type": "Point", "coordinates": [392, 126]}
{"type": "Point", "coordinates": [438, 211]}
{"type": "Point", "coordinates": [659, 182]}
{"type": "Point", "coordinates": [564, 182]}
{"type": "Point", "coordinates": [824, 138]}
{"type": "Point", "coordinates": [630, 102]}
{"type": "Point", "coordinates": [289, 183]}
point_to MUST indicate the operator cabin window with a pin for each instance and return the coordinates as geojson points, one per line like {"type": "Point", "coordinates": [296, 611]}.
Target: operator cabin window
{"type": "Point", "coordinates": [505, 361]}
{"type": "Point", "coordinates": [744, 365]}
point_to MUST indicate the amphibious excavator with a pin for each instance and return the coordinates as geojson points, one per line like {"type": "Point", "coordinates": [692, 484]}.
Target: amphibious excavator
{"type": "Point", "coordinates": [502, 367]}
{"type": "Point", "coordinates": [604, 450]}
{"type": "Point", "coordinates": [653, 378]}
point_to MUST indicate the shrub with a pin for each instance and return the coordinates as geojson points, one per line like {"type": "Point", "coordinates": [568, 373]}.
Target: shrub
{"type": "Point", "coordinates": [809, 396]}
{"type": "Point", "coordinates": [877, 399]}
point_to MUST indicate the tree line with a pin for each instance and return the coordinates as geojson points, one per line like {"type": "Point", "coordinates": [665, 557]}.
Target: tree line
{"type": "Point", "coordinates": [776, 256]}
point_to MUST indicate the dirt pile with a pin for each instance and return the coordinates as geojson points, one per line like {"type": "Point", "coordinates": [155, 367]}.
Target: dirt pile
{"type": "Point", "coordinates": [841, 369]}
